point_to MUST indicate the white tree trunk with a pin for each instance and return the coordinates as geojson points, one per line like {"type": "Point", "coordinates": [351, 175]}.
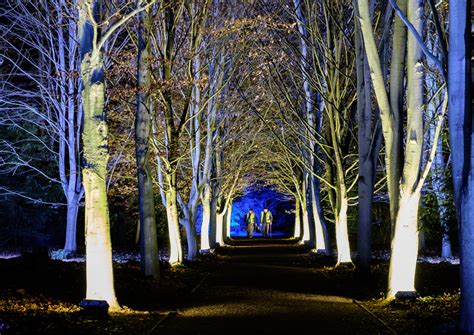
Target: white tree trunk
{"type": "Point", "coordinates": [319, 231]}
{"type": "Point", "coordinates": [306, 229]}
{"type": "Point", "coordinates": [342, 235]}
{"type": "Point", "coordinates": [405, 237]}
{"type": "Point", "coordinates": [206, 219]}
{"type": "Point", "coordinates": [72, 211]}
{"type": "Point", "coordinates": [297, 229]}
{"type": "Point", "coordinates": [176, 252]}
{"type": "Point", "coordinates": [228, 220]}
{"type": "Point", "coordinates": [404, 246]}
{"type": "Point", "coordinates": [220, 226]}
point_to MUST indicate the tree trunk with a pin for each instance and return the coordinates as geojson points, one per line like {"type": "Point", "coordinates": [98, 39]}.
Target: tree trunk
{"type": "Point", "coordinates": [297, 230]}
{"type": "Point", "coordinates": [462, 141]}
{"type": "Point", "coordinates": [228, 220]}
{"type": "Point", "coordinates": [405, 237]}
{"type": "Point", "coordinates": [99, 271]}
{"type": "Point", "coordinates": [404, 246]}
{"type": "Point", "coordinates": [342, 235]}
{"type": "Point", "coordinates": [389, 125]}
{"type": "Point", "coordinates": [189, 225]}
{"type": "Point", "coordinates": [146, 201]}
{"type": "Point", "coordinates": [397, 69]}
{"type": "Point", "coordinates": [305, 215]}
{"type": "Point", "coordinates": [319, 224]}
{"type": "Point", "coordinates": [176, 252]}
{"type": "Point", "coordinates": [220, 227]}
{"type": "Point", "coordinates": [213, 222]}
{"type": "Point", "coordinates": [366, 163]}
{"type": "Point", "coordinates": [206, 219]}
{"type": "Point", "coordinates": [70, 245]}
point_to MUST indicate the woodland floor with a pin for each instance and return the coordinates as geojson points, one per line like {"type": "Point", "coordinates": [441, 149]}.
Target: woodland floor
{"type": "Point", "coordinates": [254, 286]}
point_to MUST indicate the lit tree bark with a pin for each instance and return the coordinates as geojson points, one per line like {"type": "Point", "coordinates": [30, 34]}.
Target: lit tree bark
{"type": "Point", "coordinates": [397, 70]}
{"type": "Point", "coordinates": [462, 148]}
{"type": "Point", "coordinates": [389, 125]}
{"type": "Point", "coordinates": [297, 230]}
{"type": "Point", "coordinates": [173, 131]}
{"type": "Point", "coordinates": [100, 281]}
{"type": "Point", "coordinates": [405, 237]}
{"type": "Point", "coordinates": [146, 202]}
{"type": "Point", "coordinates": [313, 119]}
{"type": "Point", "coordinates": [74, 186]}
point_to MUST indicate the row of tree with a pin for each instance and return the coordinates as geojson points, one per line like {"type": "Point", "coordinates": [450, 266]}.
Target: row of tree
{"type": "Point", "coordinates": [223, 93]}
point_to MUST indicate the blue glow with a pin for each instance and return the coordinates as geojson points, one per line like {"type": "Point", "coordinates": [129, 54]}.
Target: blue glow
{"type": "Point", "coordinates": [281, 206]}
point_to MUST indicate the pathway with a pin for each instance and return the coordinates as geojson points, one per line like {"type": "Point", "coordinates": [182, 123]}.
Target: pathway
{"type": "Point", "coordinates": [267, 287]}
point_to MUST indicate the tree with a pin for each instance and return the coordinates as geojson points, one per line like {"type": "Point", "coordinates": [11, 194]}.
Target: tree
{"type": "Point", "coordinates": [146, 197]}
{"type": "Point", "coordinates": [405, 192]}
{"type": "Point", "coordinates": [92, 38]}
{"type": "Point", "coordinates": [461, 137]}
{"type": "Point", "coordinates": [369, 144]}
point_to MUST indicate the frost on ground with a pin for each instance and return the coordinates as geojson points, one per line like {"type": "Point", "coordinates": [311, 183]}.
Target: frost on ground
{"type": "Point", "coordinates": [59, 254]}
{"type": "Point", "coordinates": [385, 255]}
{"type": "Point", "coordinates": [118, 256]}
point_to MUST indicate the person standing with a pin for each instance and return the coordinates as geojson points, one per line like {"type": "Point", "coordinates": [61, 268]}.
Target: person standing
{"type": "Point", "coordinates": [266, 220]}
{"type": "Point", "coordinates": [250, 222]}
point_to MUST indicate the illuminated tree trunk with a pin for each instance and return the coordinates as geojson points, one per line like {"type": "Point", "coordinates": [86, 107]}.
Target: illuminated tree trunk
{"type": "Point", "coordinates": [70, 245]}
{"type": "Point", "coordinates": [99, 272]}
{"type": "Point", "coordinates": [462, 146]}
{"type": "Point", "coordinates": [340, 202]}
{"type": "Point", "coordinates": [220, 224]}
{"type": "Point", "coordinates": [206, 219]}
{"type": "Point", "coordinates": [320, 230]}
{"type": "Point", "coordinates": [388, 120]}
{"type": "Point", "coordinates": [70, 120]}
{"type": "Point", "coordinates": [297, 229]}
{"type": "Point", "coordinates": [228, 220]}
{"type": "Point", "coordinates": [213, 222]}
{"type": "Point", "coordinates": [312, 117]}
{"type": "Point", "coordinates": [405, 237]}
{"type": "Point", "coordinates": [146, 202]}
{"type": "Point", "coordinates": [397, 69]}
{"type": "Point", "coordinates": [176, 252]}
{"type": "Point", "coordinates": [342, 235]}
{"type": "Point", "coordinates": [404, 245]}
{"type": "Point", "coordinates": [306, 230]}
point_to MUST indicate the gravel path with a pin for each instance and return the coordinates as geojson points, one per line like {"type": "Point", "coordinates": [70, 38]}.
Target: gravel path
{"type": "Point", "coordinates": [267, 287]}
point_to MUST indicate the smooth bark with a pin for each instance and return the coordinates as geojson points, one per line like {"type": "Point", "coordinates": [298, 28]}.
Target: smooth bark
{"type": "Point", "coordinates": [99, 272]}
{"type": "Point", "coordinates": [462, 149]}
{"type": "Point", "coordinates": [143, 118]}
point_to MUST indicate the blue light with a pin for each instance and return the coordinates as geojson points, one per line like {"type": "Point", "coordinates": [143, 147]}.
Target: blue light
{"type": "Point", "coordinates": [281, 206]}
